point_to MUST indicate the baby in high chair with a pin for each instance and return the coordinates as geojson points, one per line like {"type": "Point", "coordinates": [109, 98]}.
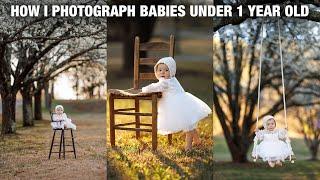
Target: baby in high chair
{"type": "Point", "coordinates": [274, 146]}
{"type": "Point", "coordinates": [60, 119]}
{"type": "Point", "coordinates": [177, 110]}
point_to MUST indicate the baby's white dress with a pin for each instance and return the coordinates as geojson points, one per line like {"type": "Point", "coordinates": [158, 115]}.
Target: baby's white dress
{"type": "Point", "coordinates": [65, 122]}
{"type": "Point", "coordinates": [177, 110]}
{"type": "Point", "coordinates": [274, 145]}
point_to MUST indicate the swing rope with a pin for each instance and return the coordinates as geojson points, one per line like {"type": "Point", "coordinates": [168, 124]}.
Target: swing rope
{"type": "Point", "coordinates": [260, 65]}
{"type": "Point", "coordinates": [282, 79]}
{"type": "Point", "coordinates": [282, 75]}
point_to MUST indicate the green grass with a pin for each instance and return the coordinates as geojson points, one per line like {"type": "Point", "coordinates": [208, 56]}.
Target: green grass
{"type": "Point", "coordinates": [134, 158]}
{"type": "Point", "coordinates": [301, 169]}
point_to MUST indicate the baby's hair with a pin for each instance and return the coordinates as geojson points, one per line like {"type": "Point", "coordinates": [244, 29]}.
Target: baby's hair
{"type": "Point", "coordinates": [158, 65]}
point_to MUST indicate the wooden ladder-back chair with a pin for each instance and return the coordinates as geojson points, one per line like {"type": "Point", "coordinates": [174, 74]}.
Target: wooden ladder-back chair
{"type": "Point", "coordinates": [138, 78]}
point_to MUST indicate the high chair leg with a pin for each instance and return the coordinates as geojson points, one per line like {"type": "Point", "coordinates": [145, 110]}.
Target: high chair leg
{"type": "Point", "coordinates": [170, 139]}
{"type": "Point", "coordinates": [74, 148]}
{"type": "Point", "coordinates": [54, 133]}
{"type": "Point", "coordinates": [137, 117]}
{"type": "Point", "coordinates": [112, 130]}
{"type": "Point", "coordinates": [64, 145]}
{"type": "Point", "coordinates": [61, 134]}
{"type": "Point", "coordinates": [154, 122]}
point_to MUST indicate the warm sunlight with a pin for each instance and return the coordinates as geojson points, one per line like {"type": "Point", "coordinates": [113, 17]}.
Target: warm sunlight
{"type": "Point", "coordinates": [63, 88]}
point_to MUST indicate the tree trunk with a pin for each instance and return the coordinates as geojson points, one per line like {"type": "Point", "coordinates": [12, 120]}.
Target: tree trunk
{"type": "Point", "coordinates": [37, 105]}
{"type": "Point", "coordinates": [47, 95]}
{"type": "Point", "coordinates": [52, 90]}
{"type": "Point", "coordinates": [8, 112]}
{"type": "Point", "coordinates": [238, 152]}
{"type": "Point", "coordinates": [27, 106]}
{"type": "Point", "coordinates": [314, 151]}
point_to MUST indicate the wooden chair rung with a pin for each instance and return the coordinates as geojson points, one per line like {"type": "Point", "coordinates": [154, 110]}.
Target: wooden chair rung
{"type": "Point", "coordinates": [133, 129]}
{"type": "Point", "coordinates": [132, 123]}
{"type": "Point", "coordinates": [145, 124]}
{"type": "Point", "coordinates": [125, 124]}
{"type": "Point", "coordinates": [133, 113]}
{"type": "Point", "coordinates": [124, 109]}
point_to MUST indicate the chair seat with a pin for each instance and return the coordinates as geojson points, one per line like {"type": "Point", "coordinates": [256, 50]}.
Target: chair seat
{"type": "Point", "coordinates": [132, 93]}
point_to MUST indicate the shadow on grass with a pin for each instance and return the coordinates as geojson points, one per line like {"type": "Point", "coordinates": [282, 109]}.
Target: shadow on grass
{"type": "Point", "coordinates": [113, 171]}
{"type": "Point", "coordinates": [168, 162]}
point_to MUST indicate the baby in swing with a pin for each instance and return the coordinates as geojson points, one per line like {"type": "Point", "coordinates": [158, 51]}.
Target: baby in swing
{"type": "Point", "coordinates": [60, 119]}
{"type": "Point", "coordinates": [177, 110]}
{"type": "Point", "coordinates": [274, 146]}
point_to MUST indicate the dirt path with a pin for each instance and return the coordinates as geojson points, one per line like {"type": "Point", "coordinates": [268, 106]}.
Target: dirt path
{"type": "Point", "coordinates": [25, 155]}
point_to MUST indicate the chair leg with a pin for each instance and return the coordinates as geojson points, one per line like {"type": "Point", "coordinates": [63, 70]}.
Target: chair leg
{"type": "Point", "coordinates": [52, 141]}
{"type": "Point", "coordinates": [137, 117]}
{"type": "Point", "coordinates": [112, 121]}
{"type": "Point", "coordinates": [74, 147]}
{"type": "Point", "coordinates": [61, 134]}
{"type": "Point", "coordinates": [154, 122]}
{"type": "Point", "coordinates": [64, 145]}
{"type": "Point", "coordinates": [170, 139]}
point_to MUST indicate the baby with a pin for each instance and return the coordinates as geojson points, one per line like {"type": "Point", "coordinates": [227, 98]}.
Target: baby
{"type": "Point", "coordinates": [274, 146]}
{"type": "Point", "coordinates": [177, 109]}
{"type": "Point", "coordinates": [60, 119]}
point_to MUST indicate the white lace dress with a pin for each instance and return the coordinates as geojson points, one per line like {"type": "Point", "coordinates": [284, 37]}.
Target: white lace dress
{"type": "Point", "coordinates": [62, 121]}
{"type": "Point", "coordinates": [274, 145]}
{"type": "Point", "coordinates": [177, 110]}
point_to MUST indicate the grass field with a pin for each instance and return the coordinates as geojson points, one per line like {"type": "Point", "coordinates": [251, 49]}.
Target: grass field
{"type": "Point", "coordinates": [24, 155]}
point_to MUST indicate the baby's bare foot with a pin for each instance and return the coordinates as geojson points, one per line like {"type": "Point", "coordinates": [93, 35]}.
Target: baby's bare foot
{"type": "Point", "coordinates": [279, 163]}
{"type": "Point", "coordinates": [187, 148]}
{"type": "Point", "coordinates": [271, 164]}
{"type": "Point", "coordinates": [197, 142]}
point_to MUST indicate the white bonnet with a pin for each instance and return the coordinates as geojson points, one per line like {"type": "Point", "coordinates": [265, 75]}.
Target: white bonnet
{"type": "Point", "coordinates": [265, 120]}
{"type": "Point", "coordinates": [170, 62]}
{"type": "Point", "coordinates": [59, 106]}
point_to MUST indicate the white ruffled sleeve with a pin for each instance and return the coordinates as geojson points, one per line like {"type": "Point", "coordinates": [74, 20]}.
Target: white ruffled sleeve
{"type": "Point", "coordinates": [259, 135]}
{"type": "Point", "coordinates": [64, 116]}
{"type": "Point", "coordinates": [282, 134]}
{"type": "Point", "coordinates": [156, 87]}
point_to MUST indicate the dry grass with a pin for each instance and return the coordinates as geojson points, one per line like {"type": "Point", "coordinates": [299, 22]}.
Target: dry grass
{"type": "Point", "coordinates": [25, 154]}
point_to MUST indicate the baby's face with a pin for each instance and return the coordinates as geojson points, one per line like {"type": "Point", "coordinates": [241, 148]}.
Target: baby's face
{"type": "Point", "coordinates": [59, 111]}
{"type": "Point", "coordinates": [271, 124]}
{"type": "Point", "coordinates": [163, 71]}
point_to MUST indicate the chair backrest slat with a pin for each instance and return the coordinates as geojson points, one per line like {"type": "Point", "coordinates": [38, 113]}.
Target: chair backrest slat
{"type": "Point", "coordinates": [147, 76]}
{"type": "Point", "coordinates": [154, 46]}
{"type": "Point", "coordinates": [149, 61]}
{"type": "Point", "coordinates": [138, 76]}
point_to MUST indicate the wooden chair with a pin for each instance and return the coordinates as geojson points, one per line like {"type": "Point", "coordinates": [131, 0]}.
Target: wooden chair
{"type": "Point", "coordinates": [62, 145]}
{"type": "Point", "coordinates": [139, 77]}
